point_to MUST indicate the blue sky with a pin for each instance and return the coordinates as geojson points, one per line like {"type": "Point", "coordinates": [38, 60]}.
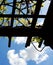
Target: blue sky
{"type": "Point", "coordinates": [18, 47]}
{"type": "Point", "coordinates": [17, 54]}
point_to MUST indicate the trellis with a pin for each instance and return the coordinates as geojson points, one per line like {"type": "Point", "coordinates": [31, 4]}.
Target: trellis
{"type": "Point", "coordinates": [30, 31]}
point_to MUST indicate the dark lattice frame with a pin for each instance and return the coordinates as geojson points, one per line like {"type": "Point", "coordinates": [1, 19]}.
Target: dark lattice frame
{"type": "Point", "coordinates": [29, 31]}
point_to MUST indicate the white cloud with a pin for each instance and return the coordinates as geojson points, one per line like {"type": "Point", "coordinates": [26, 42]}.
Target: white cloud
{"type": "Point", "coordinates": [20, 40]}
{"type": "Point", "coordinates": [14, 59]}
{"type": "Point", "coordinates": [27, 54]}
{"type": "Point", "coordinates": [30, 53]}
{"type": "Point", "coordinates": [24, 54]}
{"type": "Point", "coordinates": [41, 59]}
